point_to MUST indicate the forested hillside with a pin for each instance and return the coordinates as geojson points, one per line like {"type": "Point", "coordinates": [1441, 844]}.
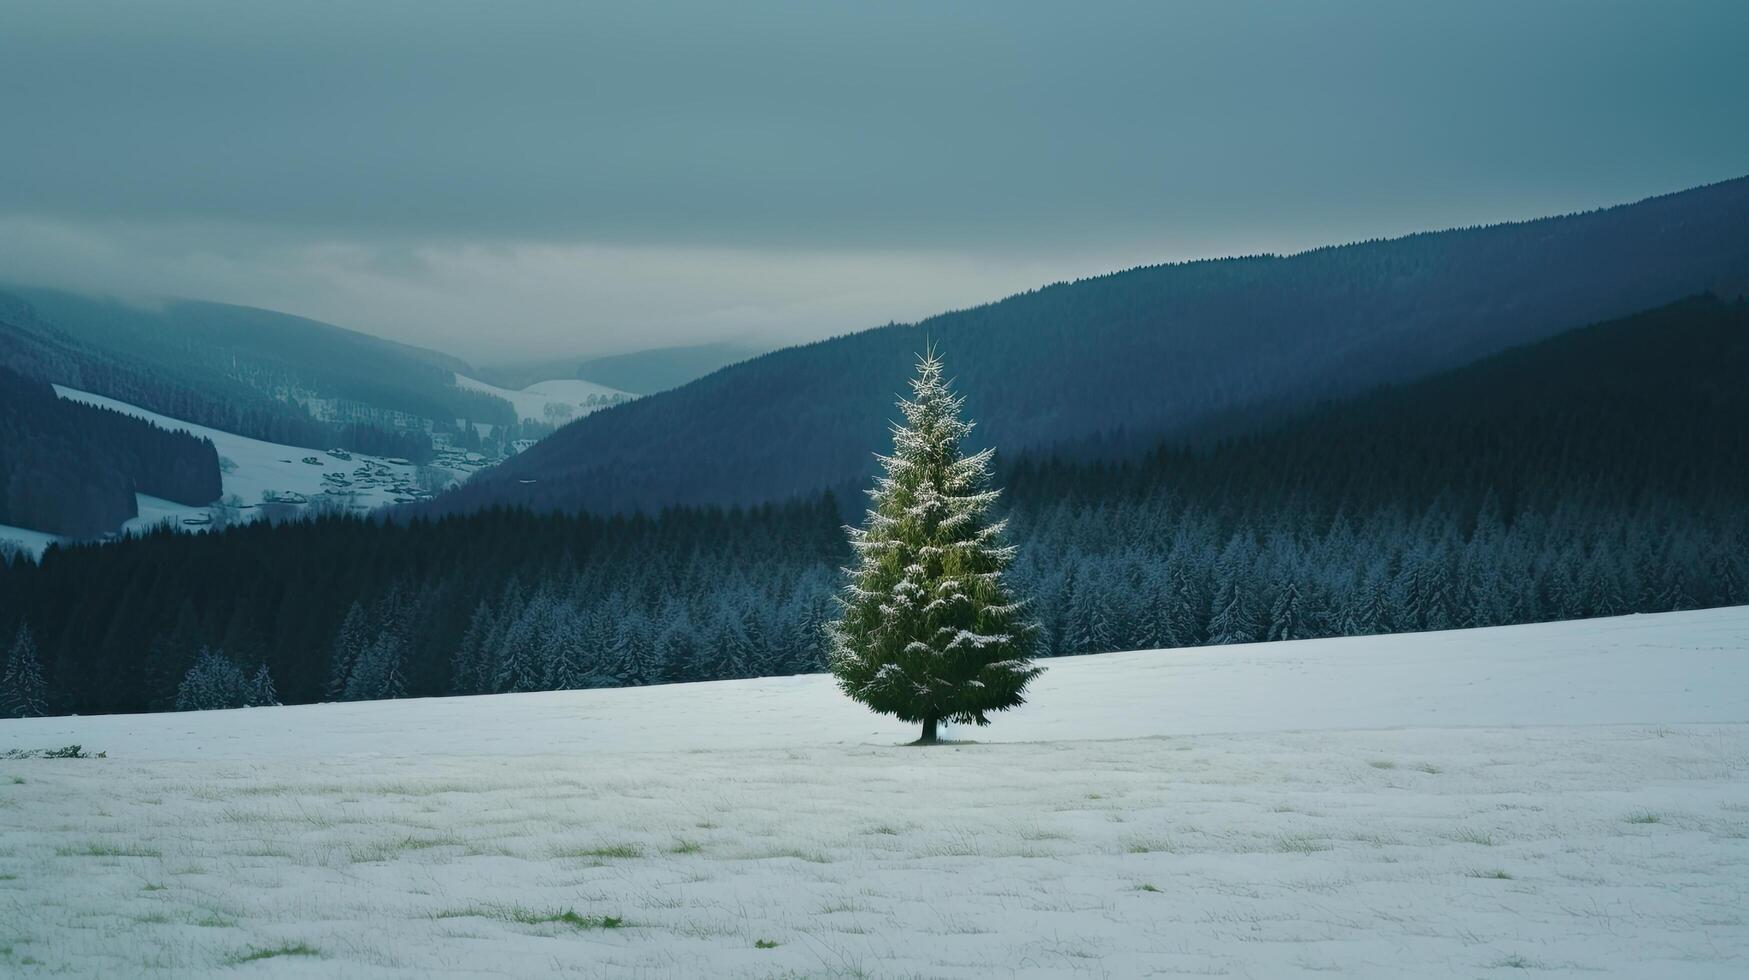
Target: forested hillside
{"type": "Point", "coordinates": [1109, 366]}
{"type": "Point", "coordinates": [73, 469]}
{"type": "Point", "coordinates": [45, 352]}
{"type": "Point", "coordinates": [1599, 472]}
{"type": "Point", "coordinates": [650, 371]}
{"type": "Point", "coordinates": [258, 373]}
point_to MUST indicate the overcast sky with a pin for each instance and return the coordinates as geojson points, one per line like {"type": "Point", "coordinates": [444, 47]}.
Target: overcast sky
{"type": "Point", "coordinates": [500, 180]}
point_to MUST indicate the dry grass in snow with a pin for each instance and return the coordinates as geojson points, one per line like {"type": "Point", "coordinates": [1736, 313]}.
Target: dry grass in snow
{"type": "Point", "coordinates": [1593, 849]}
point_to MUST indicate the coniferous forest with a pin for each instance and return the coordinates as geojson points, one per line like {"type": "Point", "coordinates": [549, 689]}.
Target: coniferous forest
{"type": "Point", "coordinates": [73, 469]}
{"type": "Point", "coordinates": [252, 372]}
{"type": "Point", "coordinates": [1596, 473]}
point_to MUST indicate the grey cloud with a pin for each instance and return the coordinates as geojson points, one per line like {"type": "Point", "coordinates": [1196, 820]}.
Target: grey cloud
{"type": "Point", "coordinates": [350, 143]}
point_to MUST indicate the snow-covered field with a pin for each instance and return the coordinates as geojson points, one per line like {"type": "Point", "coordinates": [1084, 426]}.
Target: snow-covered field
{"type": "Point", "coordinates": [257, 467]}
{"type": "Point", "coordinates": [1571, 799]}
{"type": "Point", "coordinates": [577, 396]}
{"type": "Point", "coordinates": [26, 540]}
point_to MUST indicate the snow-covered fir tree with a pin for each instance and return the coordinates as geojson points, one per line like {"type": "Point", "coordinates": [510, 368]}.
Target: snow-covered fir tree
{"type": "Point", "coordinates": [262, 693]}
{"type": "Point", "coordinates": [349, 641]}
{"type": "Point", "coordinates": [23, 693]}
{"type": "Point", "coordinates": [377, 674]}
{"type": "Point", "coordinates": [1092, 616]}
{"type": "Point", "coordinates": [1287, 618]}
{"type": "Point", "coordinates": [929, 629]}
{"type": "Point", "coordinates": [213, 682]}
{"type": "Point", "coordinates": [468, 668]}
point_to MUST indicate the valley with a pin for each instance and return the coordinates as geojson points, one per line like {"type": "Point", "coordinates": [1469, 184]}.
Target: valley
{"type": "Point", "coordinates": [551, 402]}
{"type": "Point", "coordinates": [258, 477]}
{"type": "Point", "coordinates": [910, 491]}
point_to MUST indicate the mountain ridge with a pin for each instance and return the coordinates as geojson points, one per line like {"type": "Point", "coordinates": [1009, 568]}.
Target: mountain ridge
{"type": "Point", "coordinates": [248, 370]}
{"type": "Point", "coordinates": [1161, 350]}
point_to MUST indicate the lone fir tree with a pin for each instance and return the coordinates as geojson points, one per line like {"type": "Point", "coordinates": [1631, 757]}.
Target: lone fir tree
{"type": "Point", "coordinates": [23, 694]}
{"type": "Point", "coordinates": [928, 629]}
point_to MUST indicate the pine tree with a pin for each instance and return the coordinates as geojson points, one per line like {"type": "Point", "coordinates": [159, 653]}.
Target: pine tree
{"type": "Point", "coordinates": [377, 675]}
{"type": "Point", "coordinates": [1184, 605]}
{"type": "Point", "coordinates": [522, 663]}
{"type": "Point", "coordinates": [1229, 619]}
{"type": "Point", "coordinates": [630, 655]}
{"type": "Point", "coordinates": [468, 674]}
{"type": "Point", "coordinates": [929, 630]}
{"type": "Point", "coordinates": [23, 694]}
{"type": "Point", "coordinates": [349, 642]}
{"type": "Point", "coordinates": [562, 657]}
{"type": "Point", "coordinates": [1061, 620]}
{"type": "Point", "coordinates": [262, 693]}
{"type": "Point", "coordinates": [726, 647]}
{"type": "Point", "coordinates": [679, 650]}
{"type": "Point", "coordinates": [1091, 620]}
{"type": "Point", "coordinates": [805, 634]}
{"type": "Point", "coordinates": [1286, 617]}
{"type": "Point", "coordinates": [213, 682]}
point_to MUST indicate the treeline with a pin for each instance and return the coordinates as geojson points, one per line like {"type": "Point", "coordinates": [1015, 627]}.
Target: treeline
{"type": "Point", "coordinates": [1598, 473]}
{"type": "Point", "coordinates": [1175, 577]}
{"type": "Point", "coordinates": [73, 469]}
{"type": "Point", "coordinates": [119, 625]}
{"type": "Point", "coordinates": [341, 609]}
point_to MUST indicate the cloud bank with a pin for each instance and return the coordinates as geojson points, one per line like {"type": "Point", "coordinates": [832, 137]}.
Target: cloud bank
{"type": "Point", "coordinates": [565, 178]}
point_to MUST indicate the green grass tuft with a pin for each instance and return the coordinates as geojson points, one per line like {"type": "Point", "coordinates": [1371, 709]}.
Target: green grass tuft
{"type": "Point", "coordinates": [1300, 844]}
{"type": "Point", "coordinates": [765, 944]}
{"type": "Point", "coordinates": [289, 949]}
{"type": "Point", "coordinates": [103, 849]}
{"type": "Point", "coordinates": [604, 851]}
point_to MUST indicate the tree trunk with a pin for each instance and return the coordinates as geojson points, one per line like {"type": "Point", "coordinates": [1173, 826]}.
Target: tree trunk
{"type": "Point", "coordinates": [928, 733]}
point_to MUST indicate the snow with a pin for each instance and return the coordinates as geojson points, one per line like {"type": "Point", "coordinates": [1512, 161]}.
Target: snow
{"type": "Point", "coordinates": [30, 542]}
{"type": "Point", "coordinates": [531, 402]}
{"type": "Point", "coordinates": [258, 467]}
{"type": "Point", "coordinates": [1568, 797]}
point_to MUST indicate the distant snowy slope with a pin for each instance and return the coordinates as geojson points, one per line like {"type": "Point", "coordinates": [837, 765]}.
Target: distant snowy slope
{"type": "Point", "coordinates": [260, 467]}
{"type": "Point", "coordinates": [579, 397]}
{"type": "Point", "coordinates": [1666, 668]}
{"type": "Point", "coordinates": [24, 539]}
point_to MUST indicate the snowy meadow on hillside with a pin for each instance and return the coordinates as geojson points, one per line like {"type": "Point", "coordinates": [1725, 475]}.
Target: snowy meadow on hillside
{"type": "Point", "coordinates": [1367, 806]}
